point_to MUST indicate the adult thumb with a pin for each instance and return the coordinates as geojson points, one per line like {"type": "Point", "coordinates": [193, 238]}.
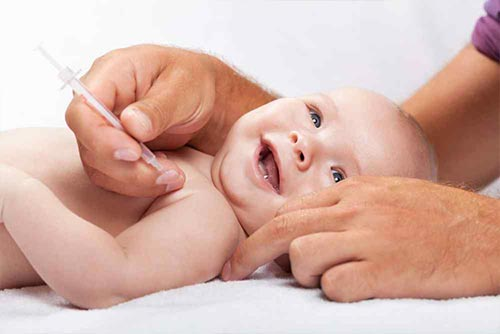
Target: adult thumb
{"type": "Point", "coordinates": [141, 120]}
{"type": "Point", "coordinates": [173, 103]}
{"type": "Point", "coordinates": [164, 106]}
{"type": "Point", "coordinates": [147, 118]}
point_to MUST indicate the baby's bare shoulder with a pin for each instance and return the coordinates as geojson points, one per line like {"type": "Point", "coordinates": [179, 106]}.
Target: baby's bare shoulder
{"type": "Point", "coordinates": [199, 196]}
{"type": "Point", "coordinates": [202, 204]}
{"type": "Point", "coordinates": [202, 214]}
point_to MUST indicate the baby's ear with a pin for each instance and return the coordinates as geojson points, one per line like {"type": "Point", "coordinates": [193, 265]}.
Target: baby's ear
{"type": "Point", "coordinates": [284, 262]}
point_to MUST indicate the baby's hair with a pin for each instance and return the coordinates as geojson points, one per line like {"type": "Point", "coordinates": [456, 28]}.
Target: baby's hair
{"type": "Point", "coordinates": [423, 136]}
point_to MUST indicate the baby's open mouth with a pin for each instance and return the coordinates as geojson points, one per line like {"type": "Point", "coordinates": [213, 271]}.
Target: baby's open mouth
{"type": "Point", "coordinates": [268, 168]}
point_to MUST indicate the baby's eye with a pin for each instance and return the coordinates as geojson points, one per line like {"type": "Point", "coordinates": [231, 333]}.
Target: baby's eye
{"type": "Point", "coordinates": [316, 118]}
{"type": "Point", "coordinates": [337, 175]}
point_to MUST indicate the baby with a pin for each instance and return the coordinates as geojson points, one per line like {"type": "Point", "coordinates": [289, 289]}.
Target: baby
{"type": "Point", "coordinates": [98, 248]}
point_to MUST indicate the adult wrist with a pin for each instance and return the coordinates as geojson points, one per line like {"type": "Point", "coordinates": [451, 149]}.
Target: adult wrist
{"type": "Point", "coordinates": [208, 139]}
{"type": "Point", "coordinates": [235, 95]}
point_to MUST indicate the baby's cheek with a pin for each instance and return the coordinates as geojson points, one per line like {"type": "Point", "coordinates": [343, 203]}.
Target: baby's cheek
{"type": "Point", "coordinates": [304, 188]}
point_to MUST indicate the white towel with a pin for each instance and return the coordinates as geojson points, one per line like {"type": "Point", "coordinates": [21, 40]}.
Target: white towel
{"type": "Point", "coordinates": [269, 302]}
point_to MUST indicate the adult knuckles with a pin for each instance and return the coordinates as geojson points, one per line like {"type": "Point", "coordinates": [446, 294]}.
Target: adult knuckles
{"type": "Point", "coordinates": [284, 227]}
{"type": "Point", "coordinates": [335, 285]}
{"type": "Point", "coordinates": [303, 277]}
{"type": "Point", "coordinates": [294, 204]}
{"type": "Point", "coordinates": [346, 211]}
{"type": "Point", "coordinates": [153, 108]}
{"type": "Point", "coordinates": [295, 250]}
{"type": "Point", "coordinates": [107, 58]}
{"type": "Point", "coordinates": [299, 265]}
{"type": "Point", "coordinates": [71, 113]}
{"type": "Point", "coordinates": [346, 284]}
{"type": "Point", "coordinates": [159, 117]}
{"type": "Point", "coordinates": [87, 156]}
{"type": "Point", "coordinates": [359, 189]}
{"type": "Point", "coordinates": [300, 222]}
{"type": "Point", "coordinates": [95, 176]}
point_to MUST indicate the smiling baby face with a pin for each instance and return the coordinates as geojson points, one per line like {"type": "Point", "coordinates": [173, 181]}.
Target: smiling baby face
{"type": "Point", "coordinates": [293, 146]}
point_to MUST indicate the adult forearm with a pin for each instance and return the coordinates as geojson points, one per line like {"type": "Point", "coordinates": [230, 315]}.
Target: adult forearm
{"type": "Point", "coordinates": [235, 95]}
{"type": "Point", "coordinates": [459, 110]}
{"type": "Point", "coordinates": [77, 259]}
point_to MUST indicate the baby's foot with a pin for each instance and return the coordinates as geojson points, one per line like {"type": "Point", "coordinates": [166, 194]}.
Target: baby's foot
{"type": "Point", "coordinates": [10, 179]}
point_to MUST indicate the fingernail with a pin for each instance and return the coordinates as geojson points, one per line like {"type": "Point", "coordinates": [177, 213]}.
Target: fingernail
{"type": "Point", "coordinates": [140, 118]}
{"type": "Point", "coordinates": [168, 177]}
{"type": "Point", "coordinates": [175, 185]}
{"type": "Point", "coordinates": [226, 271]}
{"type": "Point", "coordinates": [125, 154]}
{"type": "Point", "coordinates": [160, 154]}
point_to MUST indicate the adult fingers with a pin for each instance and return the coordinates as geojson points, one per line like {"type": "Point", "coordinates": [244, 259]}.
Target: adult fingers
{"type": "Point", "coordinates": [329, 196]}
{"type": "Point", "coordinates": [322, 198]}
{"type": "Point", "coordinates": [174, 104]}
{"type": "Point", "coordinates": [349, 282]}
{"type": "Point", "coordinates": [134, 178]}
{"type": "Point", "coordinates": [117, 80]}
{"type": "Point", "coordinates": [274, 238]}
{"type": "Point", "coordinates": [97, 136]}
{"type": "Point", "coordinates": [111, 80]}
{"type": "Point", "coordinates": [312, 255]}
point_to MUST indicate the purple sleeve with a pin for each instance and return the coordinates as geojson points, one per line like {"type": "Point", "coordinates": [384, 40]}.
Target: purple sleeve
{"type": "Point", "coordinates": [486, 35]}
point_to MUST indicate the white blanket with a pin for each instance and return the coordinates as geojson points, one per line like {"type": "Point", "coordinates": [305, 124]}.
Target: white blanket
{"type": "Point", "coordinates": [294, 47]}
{"type": "Point", "coordinates": [269, 302]}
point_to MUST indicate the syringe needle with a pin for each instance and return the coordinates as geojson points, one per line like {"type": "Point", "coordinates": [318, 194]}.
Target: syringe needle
{"type": "Point", "coordinates": [68, 76]}
{"type": "Point", "coordinates": [51, 59]}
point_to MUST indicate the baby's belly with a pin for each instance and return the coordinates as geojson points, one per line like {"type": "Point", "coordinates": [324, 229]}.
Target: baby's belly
{"type": "Point", "coordinates": [33, 151]}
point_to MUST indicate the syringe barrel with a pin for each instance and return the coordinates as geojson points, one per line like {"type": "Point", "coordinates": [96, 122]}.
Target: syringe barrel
{"type": "Point", "coordinates": [80, 89]}
{"type": "Point", "coordinates": [66, 75]}
{"type": "Point", "coordinates": [150, 157]}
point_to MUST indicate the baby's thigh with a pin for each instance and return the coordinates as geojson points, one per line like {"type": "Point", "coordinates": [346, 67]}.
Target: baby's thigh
{"type": "Point", "coordinates": [15, 270]}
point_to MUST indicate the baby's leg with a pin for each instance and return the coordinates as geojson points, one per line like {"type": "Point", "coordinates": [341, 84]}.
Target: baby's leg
{"type": "Point", "coordinates": [15, 270]}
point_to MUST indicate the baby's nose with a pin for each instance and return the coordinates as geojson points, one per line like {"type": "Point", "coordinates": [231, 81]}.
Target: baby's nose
{"type": "Point", "coordinates": [301, 150]}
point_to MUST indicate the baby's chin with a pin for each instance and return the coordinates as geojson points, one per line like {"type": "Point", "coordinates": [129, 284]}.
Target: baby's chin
{"type": "Point", "coordinates": [255, 216]}
{"type": "Point", "coordinates": [250, 204]}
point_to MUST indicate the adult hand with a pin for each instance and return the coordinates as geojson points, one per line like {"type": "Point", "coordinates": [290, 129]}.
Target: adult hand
{"type": "Point", "coordinates": [162, 96]}
{"type": "Point", "coordinates": [383, 237]}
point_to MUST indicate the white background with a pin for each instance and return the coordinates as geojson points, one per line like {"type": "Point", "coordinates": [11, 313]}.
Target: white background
{"type": "Point", "coordinates": [291, 47]}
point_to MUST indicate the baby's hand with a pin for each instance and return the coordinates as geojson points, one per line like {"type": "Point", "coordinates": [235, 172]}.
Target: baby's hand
{"type": "Point", "coordinates": [11, 179]}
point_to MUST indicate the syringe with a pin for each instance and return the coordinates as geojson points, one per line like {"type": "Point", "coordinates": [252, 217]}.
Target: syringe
{"type": "Point", "coordinates": [68, 76]}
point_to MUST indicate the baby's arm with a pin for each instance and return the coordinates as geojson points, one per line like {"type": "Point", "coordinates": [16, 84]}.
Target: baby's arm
{"type": "Point", "coordinates": [184, 243]}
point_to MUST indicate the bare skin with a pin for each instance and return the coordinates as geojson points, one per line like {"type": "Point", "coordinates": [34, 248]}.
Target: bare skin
{"type": "Point", "coordinates": [167, 97]}
{"type": "Point", "coordinates": [459, 110]}
{"type": "Point", "coordinates": [374, 237]}
{"type": "Point", "coordinates": [456, 109]}
{"type": "Point", "coordinates": [56, 221]}
{"type": "Point", "coordinates": [94, 246]}
{"type": "Point", "coordinates": [403, 237]}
